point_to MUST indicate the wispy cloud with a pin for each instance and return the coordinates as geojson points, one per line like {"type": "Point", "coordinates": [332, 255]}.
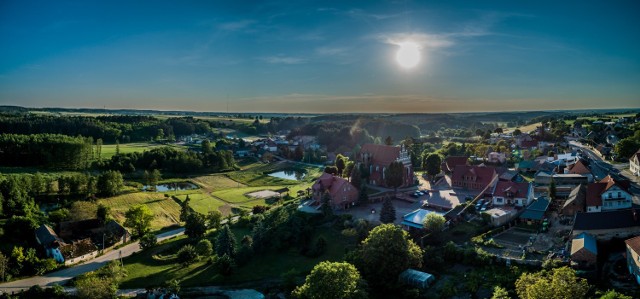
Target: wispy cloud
{"type": "Point", "coordinates": [331, 51]}
{"type": "Point", "coordinates": [280, 59]}
{"type": "Point", "coordinates": [427, 41]}
{"type": "Point", "coordinates": [362, 14]}
{"type": "Point", "coordinates": [236, 25]}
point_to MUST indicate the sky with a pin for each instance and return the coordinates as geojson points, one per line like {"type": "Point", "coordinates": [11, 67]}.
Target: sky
{"type": "Point", "coordinates": [320, 56]}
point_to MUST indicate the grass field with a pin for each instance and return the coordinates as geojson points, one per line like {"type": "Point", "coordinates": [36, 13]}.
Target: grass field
{"type": "Point", "coordinates": [216, 182]}
{"type": "Point", "coordinates": [157, 266]}
{"type": "Point", "coordinates": [166, 211]}
{"type": "Point", "coordinates": [109, 150]}
{"type": "Point", "coordinates": [259, 175]}
{"type": "Point", "coordinates": [204, 203]}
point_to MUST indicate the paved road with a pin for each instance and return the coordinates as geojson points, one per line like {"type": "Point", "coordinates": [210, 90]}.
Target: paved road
{"type": "Point", "coordinates": [62, 276]}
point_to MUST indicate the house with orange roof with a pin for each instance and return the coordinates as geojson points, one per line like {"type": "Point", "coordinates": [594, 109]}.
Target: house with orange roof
{"type": "Point", "coordinates": [579, 168]}
{"type": "Point", "coordinates": [607, 194]}
{"type": "Point", "coordinates": [377, 158]}
{"type": "Point", "coordinates": [343, 193]}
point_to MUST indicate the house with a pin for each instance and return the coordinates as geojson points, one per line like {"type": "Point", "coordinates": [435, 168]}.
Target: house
{"type": "Point", "coordinates": [576, 202]}
{"type": "Point", "coordinates": [544, 178]}
{"type": "Point", "coordinates": [343, 194]}
{"type": "Point", "coordinates": [512, 193]}
{"type": "Point", "coordinates": [536, 211]}
{"type": "Point", "coordinates": [634, 163]}
{"type": "Point", "coordinates": [415, 219]}
{"type": "Point", "coordinates": [607, 194]}
{"type": "Point", "coordinates": [500, 215]}
{"type": "Point", "coordinates": [378, 157]}
{"type": "Point", "coordinates": [579, 168]}
{"type": "Point", "coordinates": [451, 162]}
{"type": "Point", "coordinates": [496, 157]}
{"type": "Point", "coordinates": [608, 224]}
{"type": "Point", "coordinates": [473, 177]}
{"type": "Point", "coordinates": [633, 257]}
{"type": "Point", "coordinates": [584, 252]}
{"type": "Point", "coordinates": [47, 238]}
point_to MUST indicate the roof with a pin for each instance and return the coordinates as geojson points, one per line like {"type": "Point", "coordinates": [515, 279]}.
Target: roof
{"type": "Point", "coordinates": [585, 241]}
{"type": "Point", "coordinates": [526, 164]}
{"type": "Point", "coordinates": [480, 174]}
{"type": "Point", "coordinates": [46, 235]}
{"type": "Point", "coordinates": [578, 168]}
{"type": "Point", "coordinates": [536, 210]}
{"type": "Point", "coordinates": [417, 217]}
{"type": "Point", "coordinates": [634, 244]}
{"type": "Point", "coordinates": [381, 154]}
{"type": "Point", "coordinates": [595, 190]}
{"type": "Point", "coordinates": [416, 278]}
{"type": "Point", "coordinates": [331, 183]}
{"type": "Point", "coordinates": [577, 196]}
{"type": "Point", "coordinates": [452, 161]}
{"type": "Point", "coordinates": [503, 188]}
{"type": "Point", "coordinates": [636, 155]}
{"type": "Point", "coordinates": [617, 219]}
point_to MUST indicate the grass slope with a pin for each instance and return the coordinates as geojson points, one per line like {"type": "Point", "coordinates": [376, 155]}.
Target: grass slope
{"type": "Point", "coordinates": [165, 210]}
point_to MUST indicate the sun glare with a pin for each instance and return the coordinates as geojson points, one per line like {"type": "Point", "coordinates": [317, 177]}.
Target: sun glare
{"type": "Point", "coordinates": [408, 56]}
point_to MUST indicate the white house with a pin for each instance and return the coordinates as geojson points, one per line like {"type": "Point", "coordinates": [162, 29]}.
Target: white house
{"type": "Point", "coordinates": [634, 164]}
{"type": "Point", "coordinates": [512, 193]}
{"type": "Point", "coordinates": [607, 195]}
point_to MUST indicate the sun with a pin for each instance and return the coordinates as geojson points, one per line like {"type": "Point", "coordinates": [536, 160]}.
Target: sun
{"type": "Point", "coordinates": [408, 56]}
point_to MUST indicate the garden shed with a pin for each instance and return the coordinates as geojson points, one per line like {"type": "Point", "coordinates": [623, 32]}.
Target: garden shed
{"type": "Point", "coordinates": [416, 278]}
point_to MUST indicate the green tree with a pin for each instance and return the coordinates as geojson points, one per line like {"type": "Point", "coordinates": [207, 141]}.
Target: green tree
{"type": "Point", "coordinates": [394, 175]}
{"type": "Point", "coordinates": [552, 190]}
{"type": "Point", "coordinates": [204, 248]}
{"type": "Point", "coordinates": [4, 266]}
{"type": "Point", "coordinates": [560, 283]}
{"type": "Point", "coordinates": [101, 284]}
{"type": "Point", "coordinates": [340, 163]}
{"type": "Point", "coordinates": [434, 222]}
{"type": "Point", "coordinates": [348, 168]}
{"type": "Point", "coordinates": [613, 294]}
{"type": "Point", "coordinates": [363, 196]}
{"type": "Point", "coordinates": [384, 254]}
{"type": "Point", "coordinates": [356, 177]}
{"type": "Point", "coordinates": [195, 226]}
{"type": "Point", "coordinates": [187, 255]}
{"type": "Point", "coordinates": [388, 141]}
{"type": "Point", "coordinates": [102, 213]}
{"type": "Point", "coordinates": [109, 183]}
{"type": "Point", "coordinates": [226, 264]}
{"type": "Point", "coordinates": [99, 148]}
{"type": "Point", "coordinates": [432, 164]}
{"type": "Point", "coordinates": [388, 211]}
{"type": "Point", "coordinates": [327, 210]}
{"type": "Point", "coordinates": [226, 242]}
{"type": "Point", "coordinates": [626, 147]}
{"type": "Point", "coordinates": [332, 280]}
{"type": "Point", "coordinates": [148, 240]}
{"type": "Point", "coordinates": [500, 293]}
{"type": "Point", "coordinates": [139, 219]}
{"type": "Point", "coordinates": [185, 209]}
{"type": "Point", "coordinates": [517, 132]}
{"type": "Point", "coordinates": [214, 219]}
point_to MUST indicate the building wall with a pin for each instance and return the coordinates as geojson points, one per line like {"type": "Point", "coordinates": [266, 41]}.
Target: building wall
{"type": "Point", "coordinates": [615, 200]}
{"type": "Point", "coordinates": [81, 258]}
{"type": "Point", "coordinates": [634, 167]}
{"type": "Point", "coordinates": [584, 258]}
{"type": "Point", "coordinates": [632, 263]}
{"type": "Point", "coordinates": [594, 209]}
{"type": "Point", "coordinates": [608, 234]}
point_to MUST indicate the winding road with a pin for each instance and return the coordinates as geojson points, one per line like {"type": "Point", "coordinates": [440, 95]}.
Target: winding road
{"type": "Point", "coordinates": [62, 276]}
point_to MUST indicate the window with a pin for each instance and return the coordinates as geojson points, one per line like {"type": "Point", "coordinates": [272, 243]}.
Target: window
{"type": "Point", "coordinates": [609, 194]}
{"type": "Point", "coordinates": [619, 194]}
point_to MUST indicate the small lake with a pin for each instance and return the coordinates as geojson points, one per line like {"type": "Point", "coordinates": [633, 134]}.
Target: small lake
{"type": "Point", "coordinates": [173, 186]}
{"type": "Point", "coordinates": [295, 175]}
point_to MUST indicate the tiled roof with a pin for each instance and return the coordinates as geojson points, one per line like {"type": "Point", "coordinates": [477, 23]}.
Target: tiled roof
{"type": "Point", "coordinates": [482, 175]}
{"type": "Point", "coordinates": [585, 241]}
{"type": "Point", "coordinates": [634, 244]}
{"type": "Point", "coordinates": [536, 210]}
{"type": "Point", "coordinates": [594, 190]}
{"type": "Point", "coordinates": [381, 154]}
{"type": "Point", "coordinates": [452, 161]}
{"type": "Point", "coordinates": [577, 195]}
{"type": "Point", "coordinates": [516, 189]}
{"type": "Point", "coordinates": [46, 235]}
{"type": "Point", "coordinates": [617, 219]}
{"type": "Point", "coordinates": [579, 168]}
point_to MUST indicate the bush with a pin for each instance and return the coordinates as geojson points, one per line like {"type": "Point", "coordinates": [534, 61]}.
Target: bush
{"type": "Point", "coordinates": [226, 265]}
{"type": "Point", "coordinates": [148, 240]}
{"type": "Point", "coordinates": [204, 248]}
{"type": "Point", "coordinates": [187, 255]}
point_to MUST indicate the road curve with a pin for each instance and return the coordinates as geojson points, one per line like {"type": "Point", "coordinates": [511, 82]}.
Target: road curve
{"type": "Point", "coordinates": [62, 276]}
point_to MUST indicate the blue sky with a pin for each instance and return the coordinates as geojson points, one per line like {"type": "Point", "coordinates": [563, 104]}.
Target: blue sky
{"type": "Point", "coordinates": [320, 56]}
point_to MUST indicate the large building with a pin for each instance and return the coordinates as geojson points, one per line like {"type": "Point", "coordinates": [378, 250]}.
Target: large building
{"type": "Point", "coordinates": [512, 193]}
{"type": "Point", "coordinates": [377, 158]}
{"type": "Point", "coordinates": [472, 177]}
{"type": "Point", "coordinates": [607, 194]}
{"type": "Point", "coordinates": [342, 193]}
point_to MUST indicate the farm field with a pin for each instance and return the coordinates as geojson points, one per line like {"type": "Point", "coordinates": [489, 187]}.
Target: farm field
{"type": "Point", "coordinates": [109, 150]}
{"type": "Point", "coordinates": [166, 211]}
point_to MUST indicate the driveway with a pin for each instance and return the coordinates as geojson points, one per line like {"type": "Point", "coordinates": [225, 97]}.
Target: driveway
{"type": "Point", "coordinates": [62, 276]}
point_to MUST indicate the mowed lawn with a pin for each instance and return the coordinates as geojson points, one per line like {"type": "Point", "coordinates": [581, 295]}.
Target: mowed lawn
{"type": "Point", "coordinates": [109, 150]}
{"type": "Point", "coordinates": [158, 265]}
{"type": "Point", "coordinates": [216, 182]}
{"type": "Point", "coordinates": [166, 211]}
{"type": "Point", "coordinates": [204, 203]}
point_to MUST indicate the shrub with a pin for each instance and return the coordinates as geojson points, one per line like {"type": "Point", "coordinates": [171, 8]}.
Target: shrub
{"type": "Point", "coordinates": [204, 248]}
{"type": "Point", "coordinates": [226, 265]}
{"type": "Point", "coordinates": [148, 240]}
{"type": "Point", "coordinates": [187, 255]}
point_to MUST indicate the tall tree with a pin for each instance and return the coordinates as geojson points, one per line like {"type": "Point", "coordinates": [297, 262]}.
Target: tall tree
{"type": "Point", "coordinates": [388, 140]}
{"type": "Point", "coordinates": [99, 148]}
{"type": "Point", "coordinates": [384, 254]}
{"type": "Point", "coordinates": [4, 266]}
{"type": "Point", "coordinates": [394, 175]}
{"type": "Point", "coordinates": [340, 163]}
{"type": "Point", "coordinates": [388, 211]}
{"type": "Point", "coordinates": [214, 219]}
{"type": "Point", "coordinates": [102, 213]}
{"type": "Point", "coordinates": [434, 223]}
{"type": "Point", "coordinates": [195, 226]}
{"type": "Point", "coordinates": [356, 177]}
{"type": "Point", "coordinates": [332, 280]}
{"type": "Point", "coordinates": [327, 209]}
{"type": "Point", "coordinates": [185, 209]}
{"type": "Point", "coordinates": [109, 183]}
{"type": "Point", "coordinates": [363, 197]}
{"type": "Point", "coordinates": [432, 164]}
{"type": "Point", "coordinates": [226, 242]}
{"type": "Point", "coordinates": [559, 283]}
{"type": "Point", "coordinates": [139, 219]}
{"type": "Point", "coordinates": [552, 189]}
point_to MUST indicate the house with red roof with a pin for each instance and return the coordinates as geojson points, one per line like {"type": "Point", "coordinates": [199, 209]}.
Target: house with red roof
{"type": "Point", "coordinates": [634, 163]}
{"type": "Point", "coordinates": [475, 177]}
{"type": "Point", "coordinates": [607, 194]}
{"type": "Point", "coordinates": [579, 168]}
{"type": "Point", "coordinates": [378, 157]}
{"type": "Point", "coordinates": [343, 193]}
{"type": "Point", "coordinates": [512, 193]}
{"type": "Point", "coordinates": [451, 162]}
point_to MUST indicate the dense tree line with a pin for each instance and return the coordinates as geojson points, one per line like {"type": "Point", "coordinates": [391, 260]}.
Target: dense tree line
{"type": "Point", "coordinates": [124, 128]}
{"type": "Point", "coordinates": [171, 159]}
{"type": "Point", "coordinates": [45, 150]}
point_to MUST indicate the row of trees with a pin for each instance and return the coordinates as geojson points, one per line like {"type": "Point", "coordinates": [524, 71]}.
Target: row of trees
{"type": "Point", "coordinates": [171, 159]}
{"type": "Point", "coordinates": [46, 150]}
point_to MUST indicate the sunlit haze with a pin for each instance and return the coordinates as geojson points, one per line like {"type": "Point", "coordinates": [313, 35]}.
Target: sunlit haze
{"type": "Point", "coordinates": [321, 56]}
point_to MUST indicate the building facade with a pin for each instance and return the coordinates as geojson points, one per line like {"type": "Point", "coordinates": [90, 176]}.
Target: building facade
{"type": "Point", "coordinates": [376, 158]}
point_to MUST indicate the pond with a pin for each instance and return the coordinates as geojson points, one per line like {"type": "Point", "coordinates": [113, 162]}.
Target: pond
{"type": "Point", "coordinates": [289, 174]}
{"type": "Point", "coordinates": [173, 186]}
